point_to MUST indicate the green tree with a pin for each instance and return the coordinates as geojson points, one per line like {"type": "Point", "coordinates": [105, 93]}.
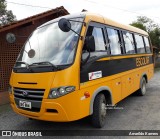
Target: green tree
{"type": "Point", "coordinates": [149, 23]}
{"type": "Point", "coordinates": [139, 25]}
{"type": "Point", "coordinates": [6, 16]}
{"type": "Point", "coordinates": [151, 27]}
{"type": "Point", "coordinates": [155, 35]}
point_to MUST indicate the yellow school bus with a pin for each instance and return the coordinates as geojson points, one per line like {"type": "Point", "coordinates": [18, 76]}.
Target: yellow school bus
{"type": "Point", "coordinates": [74, 66]}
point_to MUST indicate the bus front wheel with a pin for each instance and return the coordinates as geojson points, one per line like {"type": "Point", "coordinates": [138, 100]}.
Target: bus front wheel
{"type": "Point", "coordinates": [98, 117]}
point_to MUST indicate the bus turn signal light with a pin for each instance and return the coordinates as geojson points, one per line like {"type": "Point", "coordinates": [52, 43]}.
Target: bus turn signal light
{"type": "Point", "coordinates": [86, 94]}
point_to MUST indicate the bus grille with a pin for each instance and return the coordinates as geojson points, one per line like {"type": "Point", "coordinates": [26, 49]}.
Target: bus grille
{"type": "Point", "coordinates": [34, 96]}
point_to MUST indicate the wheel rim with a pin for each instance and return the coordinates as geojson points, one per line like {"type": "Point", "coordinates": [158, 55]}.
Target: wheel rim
{"type": "Point", "coordinates": [144, 87]}
{"type": "Point", "coordinates": [103, 110]}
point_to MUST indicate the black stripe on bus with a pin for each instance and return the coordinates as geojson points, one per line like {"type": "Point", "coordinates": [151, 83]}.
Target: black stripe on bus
{"type": "Point", "coordinates": [115, 66]}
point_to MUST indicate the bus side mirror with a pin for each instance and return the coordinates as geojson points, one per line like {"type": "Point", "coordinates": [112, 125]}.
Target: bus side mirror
{"type": "Point", "coordinates": [90, 47]}
{"type": "Point", "coordinates": [64, 25]}
{"type": "Point", "coordinates": [90, 43]}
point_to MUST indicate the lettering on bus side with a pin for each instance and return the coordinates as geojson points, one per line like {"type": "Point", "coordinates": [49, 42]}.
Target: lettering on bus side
{"type": "Point", "coordinates": [141, 61]}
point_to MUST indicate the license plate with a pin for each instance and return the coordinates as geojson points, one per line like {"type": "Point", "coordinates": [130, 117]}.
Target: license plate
{"type": "Point", "coordinates": [24, 104]}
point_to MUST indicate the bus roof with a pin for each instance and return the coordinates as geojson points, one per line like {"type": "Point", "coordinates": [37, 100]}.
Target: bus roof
{"type": "Point", "coordinates": [107, 21]}
{"type": "Point", "coordinates": [100, 19]}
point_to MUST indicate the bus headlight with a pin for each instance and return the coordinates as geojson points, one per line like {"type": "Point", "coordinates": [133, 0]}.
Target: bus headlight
{"type": "Point", "coordinates": [61, 91]}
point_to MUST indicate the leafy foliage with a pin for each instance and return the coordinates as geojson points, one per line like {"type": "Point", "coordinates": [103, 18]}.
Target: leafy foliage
{"type": "Point", "coordinates": [6, 16]}
{"type": "Point", "coordinates": [151, 27]}
{"type": "Point", "coordinates": [139, 25]}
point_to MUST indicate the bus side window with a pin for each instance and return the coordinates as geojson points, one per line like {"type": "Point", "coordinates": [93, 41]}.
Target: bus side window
{"type": "Point", "coordinates": [128, 42]}
{"type": "Point", "coordinates": [114, 41]}
{"type": "Point", "coordinates": [148, 48]}
{"type": "Point", "coordinates": [98, 35]}
{"type": "Point", "coordinates": [139, 44]}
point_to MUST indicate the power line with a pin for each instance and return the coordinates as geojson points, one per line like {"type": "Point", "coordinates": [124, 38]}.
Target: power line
{"type": "Point", "coordinates": [105, 5]}
{"type": "Point", "coordinates": [28, 5]}
{"type": "Point", "coordinates": [94, 2]}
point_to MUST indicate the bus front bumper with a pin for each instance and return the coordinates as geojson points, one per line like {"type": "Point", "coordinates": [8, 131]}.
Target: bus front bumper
{"type": "Point", "coordinates": [49, 111]}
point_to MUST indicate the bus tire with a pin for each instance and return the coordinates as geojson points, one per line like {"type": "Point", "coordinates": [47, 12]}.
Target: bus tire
{"type": "Point", "coordinates": [142, 90]}
{"type": "Point", "coordinates": [98, 117]}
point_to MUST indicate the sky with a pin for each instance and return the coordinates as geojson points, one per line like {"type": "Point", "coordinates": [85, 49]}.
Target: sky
{"type": "Point", "coordinates": [123, 11]}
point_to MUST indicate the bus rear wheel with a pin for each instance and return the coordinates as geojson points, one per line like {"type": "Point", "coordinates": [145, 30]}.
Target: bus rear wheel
{"type": "Point", "coordinates": [142, 90]}
{"type": "Point", "coordinates": [98, 117]}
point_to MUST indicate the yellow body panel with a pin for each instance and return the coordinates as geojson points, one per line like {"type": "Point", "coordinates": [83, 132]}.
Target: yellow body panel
{"type": "Point", "coordinates": [74, 106]}
{"type": "Point", "coordinates": [71, 107]}
{"type": "Point", "coordinates": [128, 86]}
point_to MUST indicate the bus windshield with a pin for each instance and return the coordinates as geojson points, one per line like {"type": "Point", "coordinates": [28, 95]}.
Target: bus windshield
{"type": "Point", "coordinates": [49, 44]}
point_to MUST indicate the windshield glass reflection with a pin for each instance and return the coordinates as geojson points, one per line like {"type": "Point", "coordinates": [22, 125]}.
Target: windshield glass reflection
{"type": "Point", "coordinates": [51, 44]}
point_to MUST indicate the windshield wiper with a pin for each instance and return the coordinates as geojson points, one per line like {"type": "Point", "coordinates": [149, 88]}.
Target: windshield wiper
{"type": "Point", "coordinates": [45, 63]}
{"type": "Point", "coordinates": [21, 62]}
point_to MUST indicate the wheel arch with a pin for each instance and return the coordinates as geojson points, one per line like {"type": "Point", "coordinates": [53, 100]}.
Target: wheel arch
{"type": "Point", "coordinates": [145, 76]}
{"type": "Point", "coordinates": [107, 93]}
